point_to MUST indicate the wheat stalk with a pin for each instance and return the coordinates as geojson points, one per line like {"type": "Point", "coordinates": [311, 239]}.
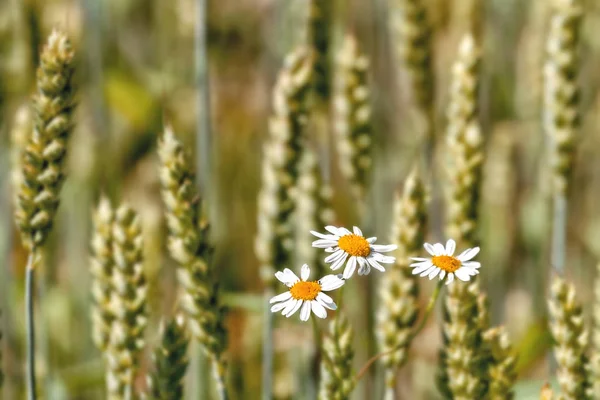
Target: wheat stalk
{"type": "Point", "coordinates": [1, 368]}
{"type": "Point", "coordinates": [336, 364]}
{"type": "Point", "coordinates": [188, 244]}
{"type": "Point", "coordinates": [400, 291]}
{"type": "Point", "coordinates": [128, 303]}
{"type": "Point", "coordinates": [170, 361]}
{"type": "Point", "coordinates": [567, 325]}
{"type": "Point", "coordinates": [502, 372]}
{"type": "Point", "coordinates": [353, 125]}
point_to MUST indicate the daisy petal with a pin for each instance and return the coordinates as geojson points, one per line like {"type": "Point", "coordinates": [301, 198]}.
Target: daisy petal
{"type": "Point", "coordinates": [332, 229]}
{"type": "Point", "coordinates": [344, 232]}
{"type": "Point", "coordinates": [332, 257]}
{"type": "Point", "coordinates": [375, 264]}
{"type": "Point", "coordinates": [305, 311]}
{"type": "Point", "coordinates": [331, 282]}
{"type": "Point", "coordinates": [421, 263]}
{"type": "Point", "coordinates": [439, 248]}
{"type": "Point", "coordinates": [450, 278]}
{"type": "Point", "coordinates": [305, 272]}
{"type": "Point", "coordinates": [471, 264]}
{"type": "Point", "coordinates": [326, 301]}
{"type": "Point", "coordinates": [324, 243]}
{"type": "Point", "coordinates": [450, 247]}
{"type": "Point", "coordinates": [371, 239]}
{"type": "Point", "coordinates": [323, 236]}
{"type": "Point", "coordinates": [434, 273]}
{"type": "Point", "coordinates": [383, 259]}
{"type": "Point", "coordinates": [422, 268]}
{"type": "Point", "coordinates": [318, 309]}
{"type": "Point", "coordinates": [418, 259]}
{"type": "Point", "coordinates": [281, 297]}
{"type": "Point", "coordinates": [364, 269]}
{"type": "Point", "coordinates": [279, 306]}
{"type": "Point", "coordinates": [381, 248]}
{"type": "Point", "coordinates": [292, 304]}
{"type": "Point", "coordinates": [442, 274]}
{"type": "Point", "coordinates": [468, 254]}
{"type": "Point", "coordinates": [463, 274]}
{"type": "Point", "coordinates": [428, 270]}
{"type": "Point", "coordinates": [350, 267]}
{"type": "Point", "coordinates": [339, 262]}
{"type": "Point", "coordinates": [430, 249]}
{"type": "Point", "coordinates": [357, 231]}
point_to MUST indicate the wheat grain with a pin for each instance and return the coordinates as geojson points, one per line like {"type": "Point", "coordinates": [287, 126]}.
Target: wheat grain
{"type": "Point", "coordinates": [502, 372]}
{"type": "Point", "coordinates": [320, 19]}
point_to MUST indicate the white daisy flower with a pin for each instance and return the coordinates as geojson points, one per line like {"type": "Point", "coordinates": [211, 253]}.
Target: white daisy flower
{"type": "Point", "coordinates": [444, 264]}
{"type": "Point", "coordinates": [353, 247]}
{"type": "Point", "coordinates": [305, 295]}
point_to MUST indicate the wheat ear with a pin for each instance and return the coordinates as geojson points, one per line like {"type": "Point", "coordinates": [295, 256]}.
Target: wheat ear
{"type": "Point", "coordinates": [567, 325]}
{"type": "Point", "coordinates": [43, 160]}
{"type": "Point", "coordinates": [170, 361]}
{"type": "Point", "coordinates": [336, 365]}
{"type": "Point", "coordinates": [353, 125]}
{"type": "Point", "coordinates": [400, 291]}
{"type": "Point", "coordinates": [128, 303]}
{"type": "Point", "coordinates": [595, 361]}
{"type": "Point", "coordinates": [502, 372]}
{"type": "Point", "coordinates": [189, 245]}
{"type": "Point", "coordinates": [19, 135]}
{"type": "Point", "coordinates": [462, 373]}
{"type": "Point", "coordinates": [280, 169]}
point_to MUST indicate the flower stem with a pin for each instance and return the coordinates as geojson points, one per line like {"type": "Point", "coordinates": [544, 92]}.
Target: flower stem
{"type": "Point", "coordinates": [414, 333]}
{"type": "Point", "coordinates": [29, 286]}
{"type": "Point", "coordinates": [559, 233]}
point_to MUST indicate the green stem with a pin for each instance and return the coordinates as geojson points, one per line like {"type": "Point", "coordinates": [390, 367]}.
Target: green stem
{"type": "Point", "coordinates": [29, 286]}
{"type": "Point", "coordinates": [413, 334]}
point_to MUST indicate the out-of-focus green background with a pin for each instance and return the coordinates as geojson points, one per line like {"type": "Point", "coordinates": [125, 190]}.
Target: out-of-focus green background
{"type": "Point", "coordinates": [135, 72]}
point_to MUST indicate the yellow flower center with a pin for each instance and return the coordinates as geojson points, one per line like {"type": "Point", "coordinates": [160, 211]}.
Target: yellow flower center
{"type": "Point", "coordinates": [446, 263]}
{"type": "Point", "coordinates": [305, 290]}
{"type": "Point", "coordinates": [355, 245]}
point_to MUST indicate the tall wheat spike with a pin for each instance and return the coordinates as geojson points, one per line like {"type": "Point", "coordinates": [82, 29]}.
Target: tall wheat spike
{"type": "Point", "coordinates": [280, 169]}
{"type": "Point", "coordinates": [462, 370]}
{"type": "Point", "coordinates": [336, 364]}
{"type": "Point", "coordinates": [43, 163]}
{"type": "Point", "coordinates": [320, 20]}
{"type": "Point", "coordinates": [313, 209]}
{"type": "Point", "coordinates": [353, 125]}
{"type": "Point", "coordinates": [189, 246]}
{"type": "Point", "coordinates": [101, 268]}
{"type": "Point", "coordinates": [128, 303]}
{"type": "Point", "coordinates": [414, 32]}
{"type": "Point", "coordinates": [502, 366]}
{"type": "Point", "coordinates": [567, 325]}
{"type": "Point", "coordinates": [170, 361]}
{"type": "Point", "coordinates": [400, 291]}
{"type": "Point", "coordinates": [561, 91]}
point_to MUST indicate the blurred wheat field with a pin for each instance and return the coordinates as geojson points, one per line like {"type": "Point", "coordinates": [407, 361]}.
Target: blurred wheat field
{"type": "Point", "coordinates": [160, 162]}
